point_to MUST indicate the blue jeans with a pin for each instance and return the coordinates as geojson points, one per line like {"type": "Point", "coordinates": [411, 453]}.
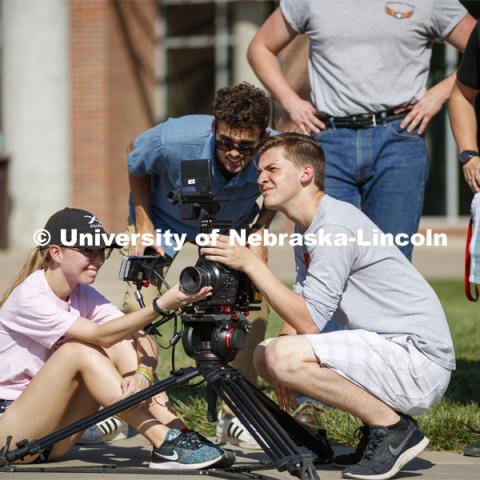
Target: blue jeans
{"type": "Point", "coordinates": [382, 170]}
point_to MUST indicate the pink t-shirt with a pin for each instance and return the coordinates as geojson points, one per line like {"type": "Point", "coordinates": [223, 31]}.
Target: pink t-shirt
{"type": "Point", "coordinates": [33, 319]}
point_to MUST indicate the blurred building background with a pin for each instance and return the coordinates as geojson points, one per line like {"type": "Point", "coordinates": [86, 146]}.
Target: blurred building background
{"type": "Point", "coordinates": [80, 79]}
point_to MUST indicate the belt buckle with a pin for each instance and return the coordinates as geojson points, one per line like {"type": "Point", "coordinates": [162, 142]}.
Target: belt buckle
{"type": "Point", "coordinates": [373, 119]}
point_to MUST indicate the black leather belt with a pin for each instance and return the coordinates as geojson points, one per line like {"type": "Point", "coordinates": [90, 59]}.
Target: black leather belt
{"type": "Point", "coordinates": [362, 120]}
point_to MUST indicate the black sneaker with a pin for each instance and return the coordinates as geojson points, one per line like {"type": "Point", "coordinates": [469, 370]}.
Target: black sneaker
{"type": "Point", "coordinates": [353, 458]}
{"type": "Point", "coordinates": [388, 451]}
{"type": "Point", "coordinates": [473, 450]}
{"type": "Point", "coordinates": [186, 451]}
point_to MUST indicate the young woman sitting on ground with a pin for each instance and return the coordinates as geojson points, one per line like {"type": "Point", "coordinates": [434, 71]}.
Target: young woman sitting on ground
{"type": "Point", "coordinates": [65, 351]}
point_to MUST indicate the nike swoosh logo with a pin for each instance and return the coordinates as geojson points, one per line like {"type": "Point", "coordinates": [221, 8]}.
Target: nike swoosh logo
{"type": "Point", "coordinates": [169, 457]}
{"type": "Point", "coordinates": [397, 450]}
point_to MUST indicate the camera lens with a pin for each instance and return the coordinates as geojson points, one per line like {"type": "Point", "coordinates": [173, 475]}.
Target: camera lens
{"type": "Point", "coordinates": [192, 279]}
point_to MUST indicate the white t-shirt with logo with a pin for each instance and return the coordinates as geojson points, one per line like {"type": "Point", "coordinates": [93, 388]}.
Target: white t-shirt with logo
{"type": "Point", "coordinates": [33, 322]}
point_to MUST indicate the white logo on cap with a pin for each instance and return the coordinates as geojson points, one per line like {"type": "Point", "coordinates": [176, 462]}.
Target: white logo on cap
{"type": "Point", "coordinates": [92, 217]}
{"type": "Point", "coordinates": [93, 222]}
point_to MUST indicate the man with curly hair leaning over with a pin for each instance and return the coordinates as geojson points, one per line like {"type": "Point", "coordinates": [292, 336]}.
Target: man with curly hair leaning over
{"type": "Point", "coordinates": [229, 139]}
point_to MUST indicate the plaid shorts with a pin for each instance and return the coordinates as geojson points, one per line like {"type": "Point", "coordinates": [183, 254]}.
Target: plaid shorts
{"type": "Point", "coordinates": [393, 370]}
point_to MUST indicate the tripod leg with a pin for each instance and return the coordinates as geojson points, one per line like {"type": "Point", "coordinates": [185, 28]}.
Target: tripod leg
{"type": "Point", "coordinates": [318, 443]}
{"type": "Point", "coordinates": [211, 404]}
{"type": "Point", "coordinates": [302, 436]}
{"type": "Point", "coordinates": [260, 422]}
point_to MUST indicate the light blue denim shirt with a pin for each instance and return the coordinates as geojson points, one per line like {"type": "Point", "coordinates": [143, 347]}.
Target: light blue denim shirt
{"type": "Point", "coordinates": [158, 152]}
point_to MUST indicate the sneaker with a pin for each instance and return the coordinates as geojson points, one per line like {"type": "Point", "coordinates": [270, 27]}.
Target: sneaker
{"type": "Point", "coordinates": [473, 450]}
{"type": "Point", "coordinates": [388, 450]}
{"type": "Point", "coordinates": [108, 430]}
{"type": "Point", "coordinates": [186, 451]}
{"type": "Point", "coordinates": [353, 458]}
{"type": "Point", "coordinates": [230, 430]}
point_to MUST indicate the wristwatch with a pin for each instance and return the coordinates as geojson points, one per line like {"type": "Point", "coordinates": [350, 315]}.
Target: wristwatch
{"type": "Point", "coordinates": [466, 155]}
{"type": "Point", "coordinates": [159, 311]}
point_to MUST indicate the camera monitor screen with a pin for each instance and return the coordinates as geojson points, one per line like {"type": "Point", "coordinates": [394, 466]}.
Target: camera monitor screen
{"type": "Point", "coordinates": [196, 177]}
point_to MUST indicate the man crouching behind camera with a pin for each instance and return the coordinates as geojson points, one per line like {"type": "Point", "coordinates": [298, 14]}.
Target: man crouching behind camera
{"type": "Point", "coordinates": [393, 356]}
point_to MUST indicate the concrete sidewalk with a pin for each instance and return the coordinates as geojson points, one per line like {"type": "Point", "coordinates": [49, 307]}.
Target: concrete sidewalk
{"type": "Point", "coordinates": [132, 456]}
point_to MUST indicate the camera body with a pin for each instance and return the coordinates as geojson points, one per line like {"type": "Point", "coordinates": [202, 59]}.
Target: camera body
{"type": "Point", "coordinates": [230, 287]}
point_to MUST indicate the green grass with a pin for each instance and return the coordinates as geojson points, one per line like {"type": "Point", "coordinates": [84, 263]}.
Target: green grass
{"type": "Point", "coordinates": [444, 424]}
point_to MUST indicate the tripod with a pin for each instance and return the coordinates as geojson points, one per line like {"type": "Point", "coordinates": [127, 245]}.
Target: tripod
{"type": "Point", "coordinates": [279, 435]}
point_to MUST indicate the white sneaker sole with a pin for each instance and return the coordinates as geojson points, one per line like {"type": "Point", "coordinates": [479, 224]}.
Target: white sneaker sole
{"type": "Point", "coordinates": [222, 439]}
{"type": "Point", "coordinates": [167, 465]}
{"type": "Point", "coordinates": [402, 460]}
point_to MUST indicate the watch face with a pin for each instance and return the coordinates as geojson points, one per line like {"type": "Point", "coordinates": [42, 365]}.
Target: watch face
{"type": "Point", "coordinates": [466, 155]}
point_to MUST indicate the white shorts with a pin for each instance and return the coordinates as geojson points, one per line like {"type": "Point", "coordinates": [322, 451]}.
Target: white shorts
{"type": "Point", "coordinates": [393, 370]}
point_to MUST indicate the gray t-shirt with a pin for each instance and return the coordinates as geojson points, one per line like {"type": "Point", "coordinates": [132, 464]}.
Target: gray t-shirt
{"type": "Point", "coordinates": [370, 55]}
{"type": "Point", "coordinates": [363, 286]}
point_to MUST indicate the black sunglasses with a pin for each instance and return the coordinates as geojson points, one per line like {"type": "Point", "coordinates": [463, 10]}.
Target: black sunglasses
{"type": "Point", "coordinates": [228, 145]}
{"type": "Point", "coordinates": [92, 252]}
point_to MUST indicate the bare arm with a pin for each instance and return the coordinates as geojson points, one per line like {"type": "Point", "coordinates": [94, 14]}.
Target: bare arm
{"type": "Point", "coordinates": [431, 103]}
{"type": "Point", "coordinates": [109, 333]}
{"type": "Point", "coordinates": [262, 53]}
{"type": "Point", "coordinates": [288, 304]}
{"type": "Point", "coordinates": [464, 127]}
{"type": "Point", "coordinates": [141, 194]}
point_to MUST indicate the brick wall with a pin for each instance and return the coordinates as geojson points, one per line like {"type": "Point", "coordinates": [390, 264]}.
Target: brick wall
{"type": "Point", "coordinates": [112, 86]}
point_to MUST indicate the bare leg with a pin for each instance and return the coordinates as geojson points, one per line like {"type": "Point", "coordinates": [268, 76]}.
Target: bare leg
{"type": "Point", "coordinates": [124, 357]}
{"type": "Point", "coordinates": [48, 403]}
{"type": "Point", "coordinates": [291, 361]}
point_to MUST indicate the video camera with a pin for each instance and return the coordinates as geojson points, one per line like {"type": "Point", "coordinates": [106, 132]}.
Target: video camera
{"type": "Point", "coordinates": [214, 329]}
{"type": "Point", "coordinates": [230, 287]}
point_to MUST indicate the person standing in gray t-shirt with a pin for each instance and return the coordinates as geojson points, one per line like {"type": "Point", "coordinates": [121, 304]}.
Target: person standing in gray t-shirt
{"type": "Point", "coordinates": [368, 68]}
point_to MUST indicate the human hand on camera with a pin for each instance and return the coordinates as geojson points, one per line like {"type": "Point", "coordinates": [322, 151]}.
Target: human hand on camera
{"type": "Point", "coordinates": [286, 397]}
{"type": "Point", "coordinates": [139, 249]}
{"type": "Point", "coordinates": [471, 172]}
{"type": "Point", "coordinates": [174, 298]}
{"type": "Point", "coordinates": [234, 255]}
{"type": "Point", "coordinates": [260, 251]}
{"type": "Point", "coordinates": [304, 114]}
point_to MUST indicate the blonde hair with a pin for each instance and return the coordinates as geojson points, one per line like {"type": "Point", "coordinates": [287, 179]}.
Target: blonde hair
{"type": "Point", "coordinates": [38, 259]}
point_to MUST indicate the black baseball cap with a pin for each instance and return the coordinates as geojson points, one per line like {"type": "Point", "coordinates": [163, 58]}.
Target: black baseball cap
{"type": "Point", "coordinates": [75, 222]}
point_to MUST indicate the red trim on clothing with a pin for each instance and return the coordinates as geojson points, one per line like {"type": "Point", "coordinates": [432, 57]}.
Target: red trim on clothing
{"type": "Point", "coordinates": [466, 282]}
{"type": "Point", "coordinates": [306, 259]}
